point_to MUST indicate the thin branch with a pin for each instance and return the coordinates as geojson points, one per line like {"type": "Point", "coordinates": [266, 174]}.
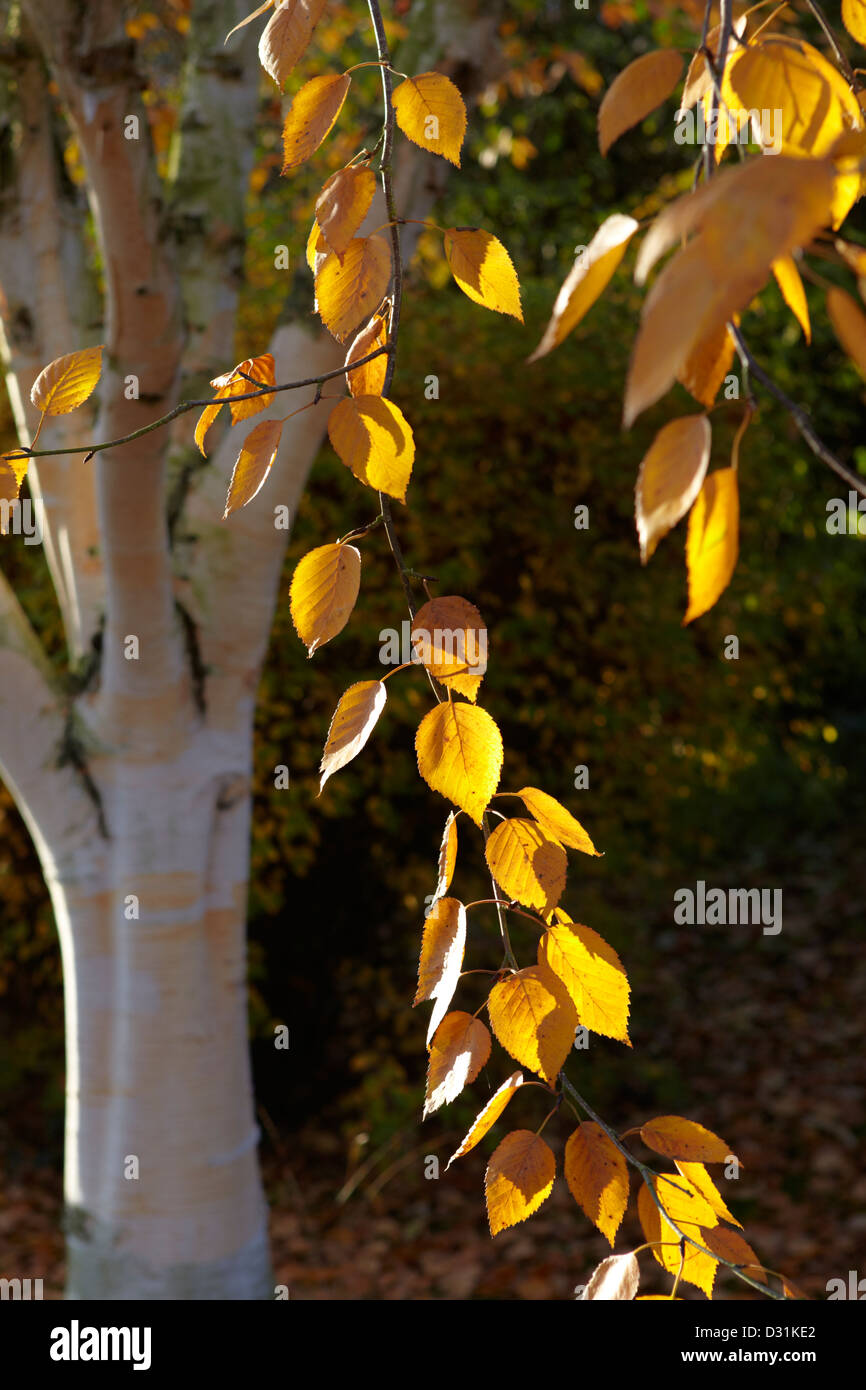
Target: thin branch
{"type": "Point", "coordinates": [800, 417]}
{"type": "Point", "coordinates": [90, 449]}
{"type": "Point", "coordinates": [838, 51]}
{"type": "Point", "coordinates": [648, 1174]}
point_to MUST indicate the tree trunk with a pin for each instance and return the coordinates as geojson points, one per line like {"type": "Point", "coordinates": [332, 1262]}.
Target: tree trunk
{"type": "Point", "coordinates": [137, 791]}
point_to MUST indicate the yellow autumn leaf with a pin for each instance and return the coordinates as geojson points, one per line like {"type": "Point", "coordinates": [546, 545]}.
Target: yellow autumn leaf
{"type": "Point", "coordinates": [442, 947]}
{"type": "Point", "coordinates": [676, 1138]}
{"type": "Point", "coordinates": [368, 380]}
{"type": "Point", "coordinates": [234, 383]}
{"type": "Point", "coordinates": [519, 1178]}
{"type": "Point", "coordinates": [348, 290]}
{"type": "Point", "coordinates": [712, 545]}
{"type": "Point", "coordinates": [593, 975]}
{"type": "Point", "coordinates": [430, 110]}
{"type": "Point", "coordinates": [352, 723]}
{"type": "Point", "coordinates": [374, 439]}
{"type": "Point", "coordinates": [592, 271]}
{"type": "Point", "coordinates": [323, 593]}
{"type": "Point", "coordinates": [447, 855]}
{"type": "Point", "coordinates": [698, 1269]}
{"type": "Point", "coordinates": [317, 248]}
{"type": "Point", "coordinates": [638, 90]}
{"type": "Point", "coordinates": [698, 80]}
{"type": "Point", "coordinates": [486, 1118]}
{"type": "Point", "coordinates": [597, 1177]}
{"type": "Point", "coordinates": [849, 325]}
{"type": "Point", "coordinates": [459, 750]}
{"type": "Point", "coordinates": [556, 822]}
{"type": "Point", "coordinates": [730, 1245]}
{"type": "Point", "coordinates": [9, 490]}
{"type": "Point", "coordinates": [700, 1181]}
{"type": "Point", "coordinates": [287, 35]}
{"type": "Point", "coordinates": [459, 1050]}
{"type": "Point", "coordinates": [534, 1019]}
{"type": "Point", "coordinates": [671, 476]}
{"type": "Point", "coordinates": [249, 19]}
{"type": "Point", "coordinates": [16, 464]}
{"type": "Point", "coordinates": [311, 116]}
{"type": "Point", "coordinates": [707, 365]}
{"type": "Point", "coordinates": [854, 19]}
{"type": "Point", "coordinates": [482, 268]}
{"type": "Point", "coordinates": [789, 201]}
{"type": "Point", "coordinates": [253, 464]}
{"type": "Point", "coordinates": [66, 383]}
{"type": "Point", "coordinates": [343, 204]}
{"type": "Point", "coordinates": [527, 865]}
{"type": "Point", "coordinates": [789, 282]}
{"type": "Point", "coordinates": [449, 638]}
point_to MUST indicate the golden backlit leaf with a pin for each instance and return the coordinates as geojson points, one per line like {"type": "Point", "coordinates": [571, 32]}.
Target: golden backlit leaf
{"type": "Point", "coordinates": [352, 723]}
{"type": "Point", "coordinates": [712, 545]}
{"type": "Point", "coordinates": [556, 822]}
{"type": "Point", "coordinates": [707, 365]}
{"type": "Point", "coordinates": [430, 110]}
{"type": "Point", "coordinates": [317, 248]}
{"type": "Point", "coordinates": [447, 855]}
{"type": "Point", "coordinates": [698, 1269]}
{"type": "Point", "coordinates": [232, 384]}
{"type": "Point", "coordinates": [849, 325]}
{"type": "Point", "coordinates": [592, 271]}
{"type": "Point", "coordinates": [348, 290]}
{"type": "Point", "coordinates": [368, 380]}
{"type": "Point", "coordinates": [854, 19]}
{"type": "Point", "coordinates": [450, 639]}
{"type": "Point", "coordinates": [374, 439]}
{"type": "Point", "coordinates": [597, 1177]}
{"type": "Point", "coordinates": [311, 116]}
{"type": "Point", "coordinates": [789, 282]}
{"type": "Point", "coordinates": [482, 268]}
{"type": "Point", "coordinates": [323, 593]}
{"type": "Point", "coordinates": [671, 476]}
{"type": "Point", "coordinates": [459, 750]}
{"type": "Point", "coordinates": [700, 1181]}
{"type": "Point", "coordinates": [343, 204]}
{"type": "Point", "coordinates": [442, 947]}
{"type": "Point", "coordinates": [66, 383]}
{"type": "Point", "coordinates": [287, 35]}
{"type": "Point", "coordinates": [593, 975]}
{"type": "Point", "coordinates": [460, 1049]}
{"type": "Point", "coordinates": [534, 1019]}
{"type": "Point", "coordinates": [698, 81]}
{"type": "Point", "coordinates": [527, 864]}
{"type": "Point", "coordinates": [789, 200]}
{"type": "Point", "coordinates": [635, 92]}
{"type": "Point", "coordinates": [253, 464]}
{"type": "Point", "coordinates": [487, 1118]}
{"type": "Point", "coordinates": [519, 1178]}
{"type": "Point", "coordinates": [673, 1137]}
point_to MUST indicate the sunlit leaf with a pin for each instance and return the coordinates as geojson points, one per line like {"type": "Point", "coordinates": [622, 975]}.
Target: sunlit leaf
{"type": "Point", "coordinates": [450, 639]}
{"type": "Point", "coordinates": [323, 593]}
{"type": "Point", "coordinates": [616, 1278]}
{"type": "Point", "coordinates": [684, 1209]}
{"type": "Point", "coordinates": [352, 723]}
{"type": "Point", "coordinates": [442, 947]}
{"type": "Point", "coordinates": [430, 110]}
{"type": "Point", "coordinates": [712, 545]}
{"type": "Point", "coordinates": [638, 90]}
{"type": "Point", "coordinates": [311, 116]}
{"type": "Point", "coordinates": [556, 822]}
{"type": "Point", "coordinates": [253, 464]}
{"type": "Point", "coordinates": [671, 476]}
{"type": "Point", "coordinates": [343, 204]}
{"type": "Point", "coordinates": [519, 1178]}
{"type": "Point", "coordinates": [459, 1050]}
{"type": "Point", "coordinates": [526, 864]}
{"type": "Point", "coordinates": [374, 439]}
{"type": "Point", "coordinates": [348, 290]}
{"type": "Point", "coordinates": [66, 383]}
{"type": "Point", "coordinates": [849, 325]}
{"type": "Point", "coordinates": [287, 35]}
{"type": "Point", "coordinates": [789, 282]}
{"type": "Point", "coordinates": [674, 1137]}
{"type": "Point", "coordinates": [534, 1019]}
{"type": "Point", "coordinates": [482, 268]}
{"type": "Point", "coordinates": [592, 271]}
{"type": "Point", "coordinates": [487, 1118]}
{"type": "Point", "coordinates": [597, 1177]}
{"type": "Point", "coordinates": [593, 975]}
{"type": "Point", "coordinates": [459, 752]}
{"type": "Point", "coordinates": [368, 380]}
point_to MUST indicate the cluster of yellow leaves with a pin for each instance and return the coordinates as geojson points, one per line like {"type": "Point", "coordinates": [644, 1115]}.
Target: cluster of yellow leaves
{"type": "Point", "coordinates": [722, 261]}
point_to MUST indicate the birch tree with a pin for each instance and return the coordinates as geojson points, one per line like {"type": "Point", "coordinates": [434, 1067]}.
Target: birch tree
{"type": "Point", "coordinates": [136, 787]}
